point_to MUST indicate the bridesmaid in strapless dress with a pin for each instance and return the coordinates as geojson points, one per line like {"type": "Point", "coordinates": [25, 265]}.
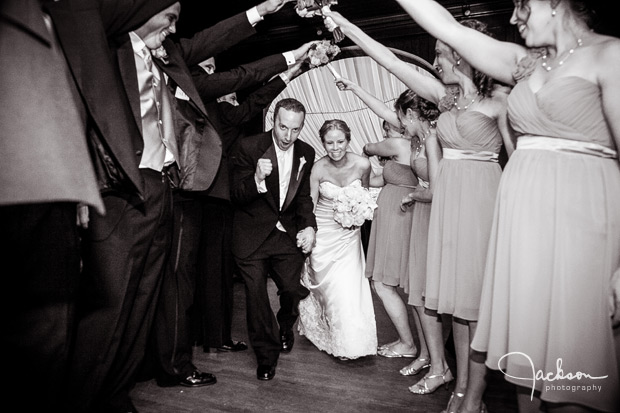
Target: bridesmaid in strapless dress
{"type": "Point", "coordinates": [338, 314]}
{"type": "Point", "coordinates": [550, 305]}
{"type": "Point", "coordinates": [471, 129]}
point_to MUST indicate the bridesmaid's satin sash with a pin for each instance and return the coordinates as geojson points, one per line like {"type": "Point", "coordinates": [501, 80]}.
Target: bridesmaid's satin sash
{"type": "Point", "coordinates": [484, 156]}
{"type": "Point", "coordinates": [565, 145]}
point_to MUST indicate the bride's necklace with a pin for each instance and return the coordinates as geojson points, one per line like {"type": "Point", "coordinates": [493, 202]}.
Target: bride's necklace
{"type": "Point", "coordinates": [456, 102]}
{"type": "Point", "coordinates": [548, 68]}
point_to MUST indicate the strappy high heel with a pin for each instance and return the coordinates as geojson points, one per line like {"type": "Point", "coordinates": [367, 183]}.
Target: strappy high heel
{"type": "Point", "coordinates": [454, 403]}
{"type": "Point", "coordinates": [410, 370]}
{"type": "Point", "coordinates": [422, 387]}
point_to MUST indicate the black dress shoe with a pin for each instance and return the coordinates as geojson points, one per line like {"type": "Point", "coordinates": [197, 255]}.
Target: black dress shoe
{"type": "Point", "coordinates": [198, 379]}
{"type": "Point", "coordinates": [266, 371]}
{"type": "Point", "coordinates": [288, 339]}
{"type": "Point", "coordinates": [233, 346]}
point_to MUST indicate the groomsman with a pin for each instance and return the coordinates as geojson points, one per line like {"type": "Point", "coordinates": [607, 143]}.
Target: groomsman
{"type": "Point", "coordinates": [144, 139]}
{"type": "Point", "coordinates": [46, 171]}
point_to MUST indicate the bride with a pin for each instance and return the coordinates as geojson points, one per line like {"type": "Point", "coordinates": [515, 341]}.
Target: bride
{"type": "Point", "coordinates": [338, 315]}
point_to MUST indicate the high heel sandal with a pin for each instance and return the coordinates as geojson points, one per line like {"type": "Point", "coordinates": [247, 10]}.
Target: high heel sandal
{"type": "Point", "coordinates": [446, 377]}
{"type": "Point", "coordinates": [410, 370]}
{"type": "Point", "coordinates": [454, 403]}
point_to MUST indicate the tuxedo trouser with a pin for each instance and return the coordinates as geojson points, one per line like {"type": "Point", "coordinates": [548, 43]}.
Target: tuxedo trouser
{"type": "Point", "coordinates": [39, 252]}
{"type": "Point", "coordinates": [124, 257]}
{"type": "Point", "coordinates": [279, 258]}
{"type": "Point", "coordinates": [214, 285]}
{"type": "Point", "coordinates": [170, 347]}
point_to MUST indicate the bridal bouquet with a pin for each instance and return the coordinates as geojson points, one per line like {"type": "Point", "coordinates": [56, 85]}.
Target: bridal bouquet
{"type": "Point", "coordinates": [322, 53]}
{"type": "Point", "coordinates": [353, 206]}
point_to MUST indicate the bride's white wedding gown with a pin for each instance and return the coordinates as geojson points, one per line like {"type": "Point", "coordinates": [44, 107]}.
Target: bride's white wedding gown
{"type": "Point", "coordinates": [338, 315]}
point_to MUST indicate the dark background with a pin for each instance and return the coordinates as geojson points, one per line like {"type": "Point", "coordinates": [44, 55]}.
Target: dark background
{"type": "Point", "coordinates": [384, 20]}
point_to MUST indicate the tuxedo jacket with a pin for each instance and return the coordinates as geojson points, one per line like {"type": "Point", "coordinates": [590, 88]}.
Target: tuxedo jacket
{"type": "Point", "coordinates": [42, 138]}
{"type": "Point", "coordinates": [95, 39]}
{"type": "Point", "coordinates": [256, 214]}
{"type": "Point", "coordinates": [212, 86]}
{"type": "Point", "coordinates": [229, 119]}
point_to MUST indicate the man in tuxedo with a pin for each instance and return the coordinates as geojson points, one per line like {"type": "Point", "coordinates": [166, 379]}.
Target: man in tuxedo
{"type": "Point", "coordinates": [200, 219]}
{"type": "Point", "coordinates": [273, 227]}
{"type": "Point", "coordinates": [265, 78]}
{"type": "Point", "coordinates": [148, 122]}
{"type": "Point", "coordinates": [46, 171]}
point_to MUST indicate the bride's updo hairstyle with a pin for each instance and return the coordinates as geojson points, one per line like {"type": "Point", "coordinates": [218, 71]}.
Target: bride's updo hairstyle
{"type": "Point", "coordinates": [335, 124]}
{"type": "Point", "coordinates": [409, 100]}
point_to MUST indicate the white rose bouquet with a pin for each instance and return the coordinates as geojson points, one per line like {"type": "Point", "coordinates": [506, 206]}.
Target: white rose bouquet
{"type": "Point", "coordinates": [353, 206]}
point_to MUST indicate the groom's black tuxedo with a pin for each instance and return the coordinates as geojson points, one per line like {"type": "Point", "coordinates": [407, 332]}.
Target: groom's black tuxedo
{"type": "Point", "coordinates": [260, 248]}
{"type": "Point", "coordinates": [257, 214]}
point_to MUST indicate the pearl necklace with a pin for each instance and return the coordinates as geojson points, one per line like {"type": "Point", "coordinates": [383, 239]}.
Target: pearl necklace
{"type": "Point", "coordinates": [456, 104]}
{"type": "Point", "coordinates": [561, 62]}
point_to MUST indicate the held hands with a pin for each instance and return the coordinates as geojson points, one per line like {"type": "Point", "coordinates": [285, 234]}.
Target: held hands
{"type": "Point", "coordinates": [263, 169]}
{"type": "Point", "coordinates": [306, 239]}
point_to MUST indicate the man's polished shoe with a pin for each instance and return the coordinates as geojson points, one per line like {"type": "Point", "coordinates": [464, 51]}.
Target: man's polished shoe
{"type": "Point", "coordinates": [266, 371]}
{"type": "Point", "coordinates": [198, 379]}
{"type": "Point", "coordinates": [233, 345]}
{"type": "Point", "coordinates": [288, 339]}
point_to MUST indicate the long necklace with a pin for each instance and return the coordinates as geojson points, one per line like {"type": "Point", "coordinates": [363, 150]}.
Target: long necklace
{"type": "Point", "coordinates": [545, 65]}
{"type": "Point", "coordinates": [456, 102]}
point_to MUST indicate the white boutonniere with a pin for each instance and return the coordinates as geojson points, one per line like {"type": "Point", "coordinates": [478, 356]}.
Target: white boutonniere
{"type": "Point", "coordinates": [302, 162]}
{"type": "Point", "coordinates": [161, 54]}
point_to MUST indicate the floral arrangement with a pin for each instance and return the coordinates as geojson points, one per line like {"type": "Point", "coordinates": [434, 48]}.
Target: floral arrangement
{"type": "Point", "coordinates": [321, 53]}
{"type": "Point", "coordinates": [353, 206]}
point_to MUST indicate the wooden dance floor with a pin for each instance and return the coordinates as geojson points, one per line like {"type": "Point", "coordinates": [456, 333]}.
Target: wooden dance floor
{"type": "Point", "coordinates": [308, 380]}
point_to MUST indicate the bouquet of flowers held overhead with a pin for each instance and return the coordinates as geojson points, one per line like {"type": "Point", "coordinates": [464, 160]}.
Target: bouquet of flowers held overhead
{"type": "Point", "coordinates": [322, 53]}
{"type": "Point", "coordinates": [353, 206]}
{"type": "Point", "coordinates": [311, 8]}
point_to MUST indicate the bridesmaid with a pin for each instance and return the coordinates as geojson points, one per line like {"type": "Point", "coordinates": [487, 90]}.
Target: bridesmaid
{"type": "Point", "coordinates": [552, 281]}
{"type": "Point", "coordinates": [470, 131]}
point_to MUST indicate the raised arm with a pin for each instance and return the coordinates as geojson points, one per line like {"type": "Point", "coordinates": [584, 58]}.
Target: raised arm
{"type": "Point", "coordinates": [376, 105]}
{"type": "Point", "coordinates": [395, 148]}
{"type": "Point", "coordinates": [497, 59]}
{"type": "Point", "coordinates": [428, 87]}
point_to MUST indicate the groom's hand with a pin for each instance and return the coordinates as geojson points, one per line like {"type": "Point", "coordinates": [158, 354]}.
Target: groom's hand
{"type": "Point", "coordinates": [305, 239]}
{"type": "Point", "coordinates": [263, 169]}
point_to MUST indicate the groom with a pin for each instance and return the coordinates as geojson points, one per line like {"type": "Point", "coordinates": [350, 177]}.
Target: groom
{"type": "Point", "coordinates": [273, 227]}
